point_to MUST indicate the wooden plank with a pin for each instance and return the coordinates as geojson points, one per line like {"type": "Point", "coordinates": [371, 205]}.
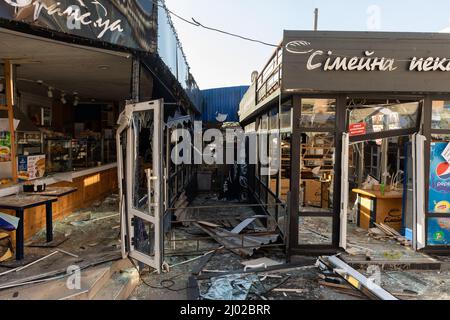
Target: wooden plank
{"type": "Point", "coordinates": [119, 287]}
{"type": "Point", "coordinates": [92, 280]}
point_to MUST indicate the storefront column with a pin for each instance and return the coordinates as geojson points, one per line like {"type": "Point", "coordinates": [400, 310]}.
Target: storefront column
{"type": "Point", "coordinates": [426, 131]}
{"type": "Point", "coordinates": [295, 176]}
{"type": "Point", "coordinates": [135, 80]}
{"type": "Point", "coordinates": [10, 96]}
{"type": "Point", "coordinates": [341, 127]}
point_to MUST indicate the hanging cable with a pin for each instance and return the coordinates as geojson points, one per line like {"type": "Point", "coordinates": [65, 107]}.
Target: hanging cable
{"type": "Point", "coordinates": [195, 23]}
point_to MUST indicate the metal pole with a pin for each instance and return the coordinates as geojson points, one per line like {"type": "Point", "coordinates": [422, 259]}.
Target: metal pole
{"type": "Point", "coordinates": [316, 19]}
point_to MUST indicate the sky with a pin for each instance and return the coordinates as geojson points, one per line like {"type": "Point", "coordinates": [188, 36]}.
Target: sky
{"type": "Point", "coordinates": [218, 60]}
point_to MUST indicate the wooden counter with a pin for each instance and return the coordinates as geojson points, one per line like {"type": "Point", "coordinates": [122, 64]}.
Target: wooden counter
{"type": "Point", "coordinates": [384, 208]}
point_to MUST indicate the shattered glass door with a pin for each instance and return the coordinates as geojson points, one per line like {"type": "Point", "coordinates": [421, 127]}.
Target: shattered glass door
{"type": "Point", "coordinates": [143, 183]}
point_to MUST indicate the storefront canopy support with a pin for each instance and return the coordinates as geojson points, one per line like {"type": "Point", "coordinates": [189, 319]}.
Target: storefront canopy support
{"type": "Point", "coordinates": [10, 101]}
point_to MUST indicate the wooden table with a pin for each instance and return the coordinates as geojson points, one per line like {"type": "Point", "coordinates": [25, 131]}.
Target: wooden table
{"type": "Point", "coordinates": [56, 192]}
{"type": "Point", "coordinates": [384, 208]}
{"type": "Point", "coordinates": [19, 203]}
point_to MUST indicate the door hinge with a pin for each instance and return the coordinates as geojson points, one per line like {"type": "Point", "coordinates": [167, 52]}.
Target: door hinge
{"type": "Point", "coordinates": [133, 241]}
{"type": "Point", "coordinates": [132, 222]}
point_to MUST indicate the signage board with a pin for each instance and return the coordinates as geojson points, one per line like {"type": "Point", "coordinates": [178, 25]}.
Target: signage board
{"type": "Point", "coordinates": [357, 129]}
{"type": "Point", "coordinates": [125, 23]}
{"type": "Point", "coordinates": [315, 61]}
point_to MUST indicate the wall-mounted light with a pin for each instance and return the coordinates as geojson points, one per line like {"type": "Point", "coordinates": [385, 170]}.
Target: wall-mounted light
{"type": "Point", "coordinates": [50, 92]}
{"type": "Point", "coordinates": [63, 98]}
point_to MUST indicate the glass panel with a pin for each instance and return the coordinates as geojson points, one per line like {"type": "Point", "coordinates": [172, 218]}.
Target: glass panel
{"type": "Point", "coordinates": [169, 49]}
{"type": "Point", "coordinates": [143, 158]}
{"type": "Point", "coordinates": [167, 41]}
{"type": "Point", "coordinates": [144, 235]}
{"type": "Point", "coordinates": [263, 152]}
{"type": "Point", "coordinates": [282, 217]}
{"type": "Point", "coordinates": [377, 118]}
{"type": "Point", "coordinates": [58, 155]}
{"type": "Point", "coordinates": [286, 117]}
{"type": "Point", "coordinates": [263, 194]}
{"type": "Point", "coordinates": [285, 182]}
{"type": "Point", "coordinates": [273, 119]}
{"type": "Point", "coordinates": [274, 151]}
{"type": "Point", "coordinates": [271, 201]}
{"type": "Point", "coordinates": [264, 123]}
{"type": "Point", "coordinates": [441, 115]}
{"type": "Point", "coordinates": [251, 128]}
{"type": "Point", "coordinates": [318, 113]}
{"type": "Point", "coordinates": [439, 192]}
{"type": "Point", "coordinates": [317, 172]}
{"type": "Point", "coordinates": [315, 231]}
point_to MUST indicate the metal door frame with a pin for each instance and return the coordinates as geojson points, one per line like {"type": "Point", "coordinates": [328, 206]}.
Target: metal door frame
{"type": "Point", "coordinates": [154, 180]}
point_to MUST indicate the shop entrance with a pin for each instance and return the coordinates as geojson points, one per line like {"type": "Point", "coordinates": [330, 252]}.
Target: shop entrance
{"type": "Point", "coordinates": [382, 167]}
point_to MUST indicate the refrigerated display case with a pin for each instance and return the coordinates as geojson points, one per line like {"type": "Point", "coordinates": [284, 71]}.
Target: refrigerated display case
{"type": "Point", "coordinates": [59, 154]}
{"type": "Point", "coordinates": [86, 153]}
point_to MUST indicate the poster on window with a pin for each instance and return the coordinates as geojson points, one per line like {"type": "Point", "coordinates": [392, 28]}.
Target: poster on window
{"type": "Point", "coordinates": [439, 197]}
{"type": "Point", "coordinates": [439, 231]}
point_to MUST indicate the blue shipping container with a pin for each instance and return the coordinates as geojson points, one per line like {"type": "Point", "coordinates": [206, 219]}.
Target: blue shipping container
{"type": "Point", "coordinates": [222, 104]}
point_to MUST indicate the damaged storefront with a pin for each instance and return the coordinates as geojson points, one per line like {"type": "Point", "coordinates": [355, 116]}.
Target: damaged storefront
{"type": "Point", "coordinates": [67, 71]}
{"type": "Point", "coordinates": [361, 123]}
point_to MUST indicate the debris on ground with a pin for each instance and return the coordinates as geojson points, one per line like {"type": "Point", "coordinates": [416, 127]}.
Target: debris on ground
{"type": "Point", "coordinates": [231, 287]}
{"type": "Point", "coordinates": [91, 248]}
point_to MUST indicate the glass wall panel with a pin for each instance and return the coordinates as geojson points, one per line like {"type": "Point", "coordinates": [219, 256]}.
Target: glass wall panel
{"type": "Point", "coordinates": [167, 41]}
{"type": "Point", "coordinates": [274, 151]}
{"type": "Point", "coordinates": [285, 174]}
{"type": "Point", "coordinates": [441, 115]}
{"type": "Point", "coordinates": [171, 53]}
{"type": "Point", "coordinates": [377, 118]}
{"type": "Point", "coordinates": [317, 172]}
{"type": "Point", "coordinates": [286, 117]}
{"type": "Point", "coordinates": [143, 161]}
{"type": "Point", "coordinates": [315, 231]}
{"type": "Point", "coordinates": [318, 113]}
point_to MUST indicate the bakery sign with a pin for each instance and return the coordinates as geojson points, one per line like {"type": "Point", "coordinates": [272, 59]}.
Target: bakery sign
{"type": "Point", "coordinates": [369, 61]}
{"type": "Point", "coordinates": [76, 15]}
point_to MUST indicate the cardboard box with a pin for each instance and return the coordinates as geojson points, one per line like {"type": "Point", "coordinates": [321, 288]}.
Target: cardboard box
{"type": "Point", "coordinates": [31, 167]}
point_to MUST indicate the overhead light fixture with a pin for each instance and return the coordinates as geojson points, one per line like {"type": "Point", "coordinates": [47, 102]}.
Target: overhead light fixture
{"type": "Point", "coordinates": [103, 67]}
{"type": "Point", "coordinates": [63, 98]}
{"type": "Point", "coordinates": [40, 82]}
{"type": "Point", "coordinates": [76, 99]}
{"type": "Point", "coordinates": [50, 92]}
